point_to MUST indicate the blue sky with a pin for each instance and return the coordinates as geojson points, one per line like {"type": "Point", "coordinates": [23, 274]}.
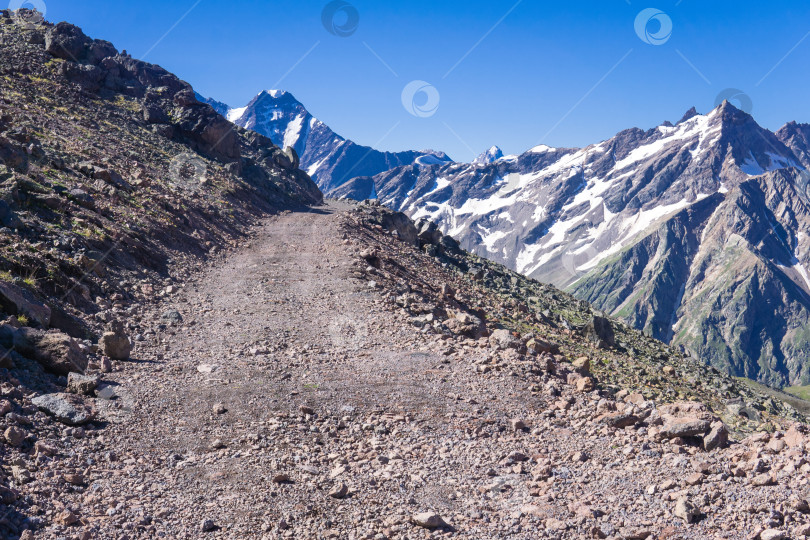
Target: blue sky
{"type": "Point", "coordinates": [561, 73]}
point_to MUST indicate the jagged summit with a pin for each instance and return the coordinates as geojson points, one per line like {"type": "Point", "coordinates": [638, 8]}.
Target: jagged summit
{"type": "Point", "coordinates": [490, 156]}
{"type": "Point", "coordinates": [688, 115]}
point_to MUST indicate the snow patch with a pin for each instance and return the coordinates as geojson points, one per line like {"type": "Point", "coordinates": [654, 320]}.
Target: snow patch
{"type": "Point", "coordinates": [235, 114]}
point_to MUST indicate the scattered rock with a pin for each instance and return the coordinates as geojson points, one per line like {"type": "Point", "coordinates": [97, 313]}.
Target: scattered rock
{"type": "Point", "coordinates": [685, 510]}
{"type": "Point", "coordinates": [599, 330]}
{"type": "Point", "coordinates": [69, 409]}
{"type": "Point", "coordinates": [14, 436]}
{"type": "Point", "coordinates": [81, 384]}
{"type": "Point", "coordinates": [339, 491]}
{"type": "Point", "coordinates": [115, 345]}
{"type": "Point", "coordinates": [428, 520]}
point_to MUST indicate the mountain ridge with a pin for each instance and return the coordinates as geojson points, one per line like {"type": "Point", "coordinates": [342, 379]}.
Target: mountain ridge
{"type": "Point", "coordinates": [558, 215]}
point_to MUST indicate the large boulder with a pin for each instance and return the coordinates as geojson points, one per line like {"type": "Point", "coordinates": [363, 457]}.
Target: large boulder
{"type": "Point", "coordinates": [12, 155]}
{"type": "Point", "coordinates": [66, 41]}
{"type": "Point", "coordinates": [402, 225]}
{"type": "Point", "coordinates": [428, 232]}
{"type": "Point", "coordinates": [7, 216]}
{"type": "Point", "coordinates": [69, 409]}
{"type": "Point", "coordinates": [15, 300]}
{"type": "Point", "coordinates": [503, 339]}
{"type": "Point", "coordinates": [691, 419]}
{"type": "Point", "coordinates": [466, 324]}
{"type": "Point", "coordinates": [116, 345]}
{"type": "Point", "coordinates": [599, 330]}
{"type": "Point", "coordinates": [55, 351]}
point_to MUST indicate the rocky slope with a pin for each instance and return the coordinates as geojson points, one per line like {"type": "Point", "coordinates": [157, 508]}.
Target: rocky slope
{"type": "Point", "coordinates": [343, 373]}
{"type": "Point", "coordinates": [330, 159]}
{"type": "Point", "coordinates": [114, 180]}
{"type": "Point", "coordinates": [692, 232]}
{"type": "Point", "coordinates": [110, 168]}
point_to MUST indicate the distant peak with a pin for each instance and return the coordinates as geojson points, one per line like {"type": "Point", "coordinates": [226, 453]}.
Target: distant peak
{"type": "Point", "coordinates": [691, 113]}
{"type": "Point", "coordinates": [277, 95]}
{"type": "Point", "coordinates": [490, 156]}
{"type": "Point", "coordinates": [728, 108]}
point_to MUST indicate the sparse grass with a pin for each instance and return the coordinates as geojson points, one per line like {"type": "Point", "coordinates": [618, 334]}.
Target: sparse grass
{"type": "Point", "coordinates": [802, 392]}
{"type": "Point", "coordinates": [23, 320]}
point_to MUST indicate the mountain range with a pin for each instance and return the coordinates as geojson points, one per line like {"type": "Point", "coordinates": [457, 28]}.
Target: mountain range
{"type": "Point", "coordinates": [695, 233]}
{"type": "Point", "coordinates": [328, 158]}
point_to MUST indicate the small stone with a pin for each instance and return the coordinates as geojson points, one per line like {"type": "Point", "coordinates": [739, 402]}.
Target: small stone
{"type": "Point", "coordinates": [669, 371]}
{"type": "Point", "coordinates": [685, 510]}
{"type": "Point", "coordinates": [21, 475]}
{"type": "Point", "coordinates": [339, 491]}
{"type": "Point", "coordinates": [579, 457]}
{"type": "Point", "coordinates": [66, 518]}
{"type": "Point", "coordinates": [776, 446]}
{"type": "Point", "coordinates": [772, 534]}
{"type": "Point", "coordinates": [281, 479]}
{"type": "Point", "coordinates": [81, 384]}
{"type": "Point", "coordinates": [217, 444]}
{"type": "Point", "coordinates": [14, 436]}
{"type": "Point", "coordinates": [764, 479]}
{"type": "Point", "coordinates": [518, 425]}
{"type": "Point", "coordinates": [172, 317]}
{"type": "Point", "coordinates": [74, 479]}
{"type": "Point", "coordinates": [207, 525]}
{"type": "Point", "coordinates": [306, 410]}
{"type": "Point", "coordinates": [428, 520]}
{"type": "Point", "coordinates": [694, 479]}
{"type": "Point", "coordinates": [116, 346]}
{"type": "Point", "coordinates": [105, 365]}
{"type": "Point", "coordinates": [585, 384]}
{"type": "Point", "coordinates": [219, 408]}
{"type": "Point", "coordinates": [582, 364]}
{"type": "Point", "coordinates": [5, 407]}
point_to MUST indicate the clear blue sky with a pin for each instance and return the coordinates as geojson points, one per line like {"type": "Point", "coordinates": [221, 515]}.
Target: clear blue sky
{"type": "Point", "coordinates": [512, 89]}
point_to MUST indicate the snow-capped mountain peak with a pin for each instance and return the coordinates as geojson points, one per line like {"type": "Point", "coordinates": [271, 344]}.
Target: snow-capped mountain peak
{"type": "Point", "coordinates": [327, 157]}
{"type": "Point", "coordinates": [490, 156]}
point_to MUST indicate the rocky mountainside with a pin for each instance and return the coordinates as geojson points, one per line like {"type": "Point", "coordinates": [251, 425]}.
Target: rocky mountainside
{"type": "Point", "coordinates": [327, 157]}
{"type": "Point", "coordinates": [693, 232]}
{"type": "Point", "coordinates": [113, 178]}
